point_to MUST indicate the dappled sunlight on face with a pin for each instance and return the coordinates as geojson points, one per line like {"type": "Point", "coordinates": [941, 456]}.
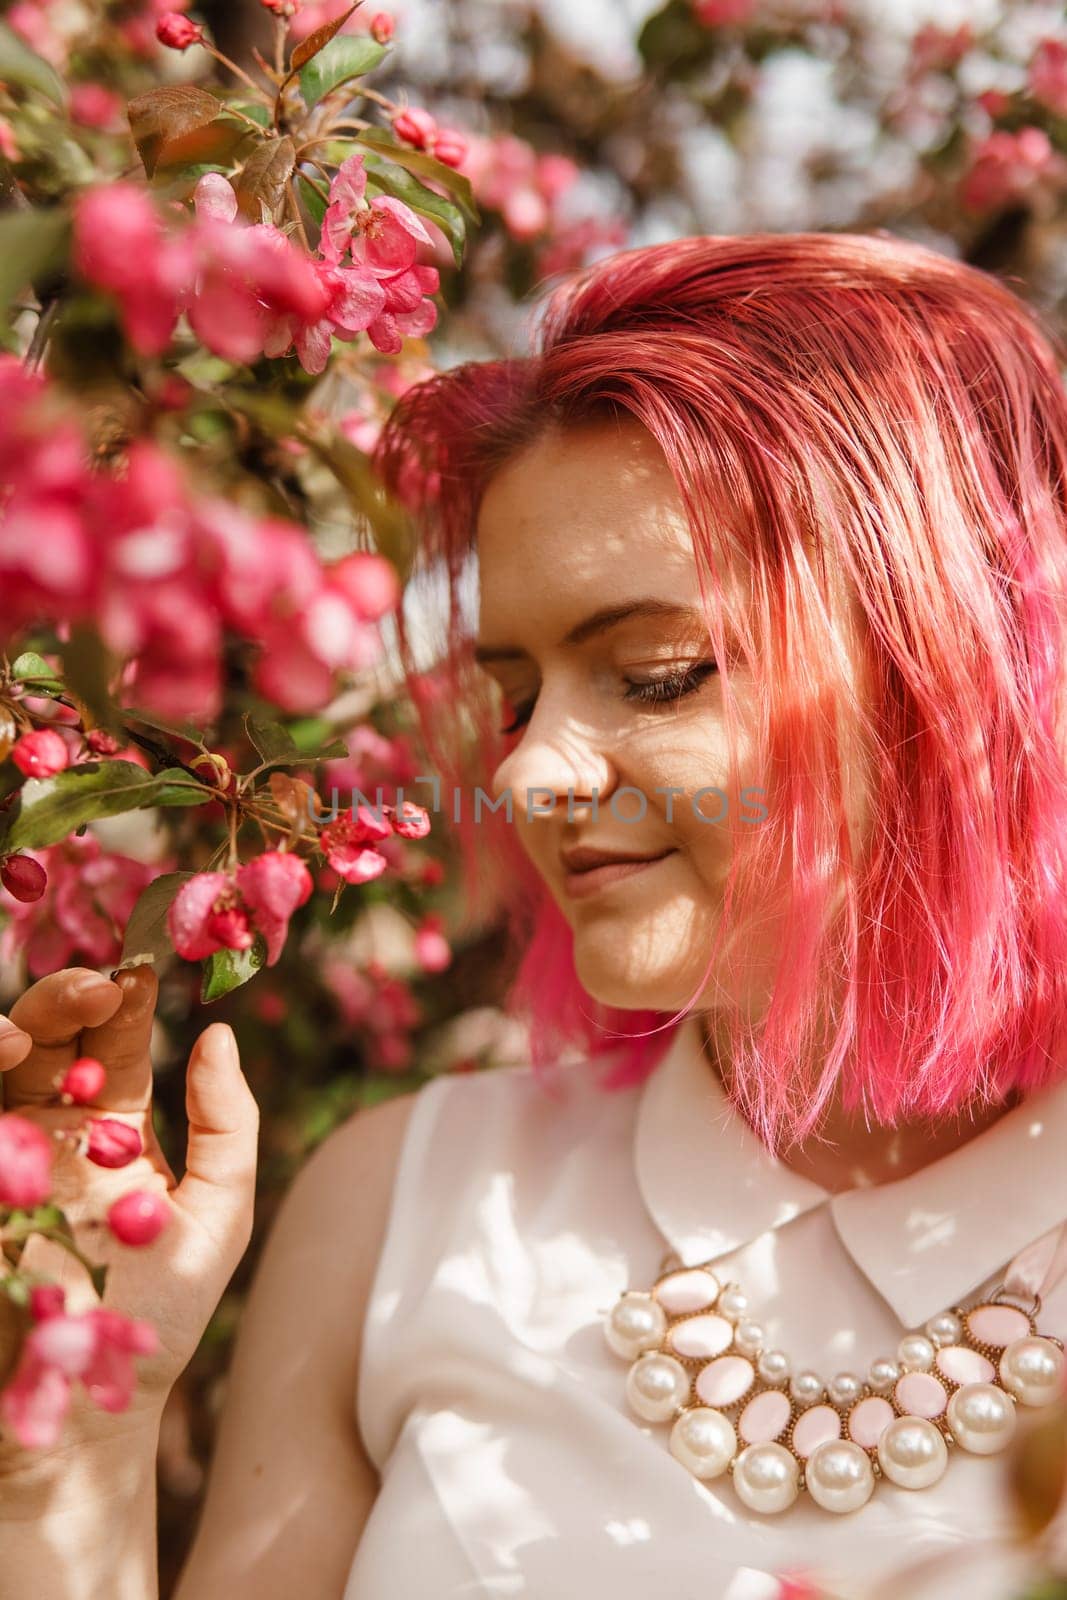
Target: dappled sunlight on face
{"type": "Point", "coordinates": [591, 623]}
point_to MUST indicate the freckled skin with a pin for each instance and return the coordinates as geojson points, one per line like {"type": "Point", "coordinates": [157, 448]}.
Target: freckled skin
{"type": "Point", "coordinates": [574, 524]}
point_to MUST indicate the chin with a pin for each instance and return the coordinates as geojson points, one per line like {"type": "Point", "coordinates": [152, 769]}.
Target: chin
{"type": "Point", "coordinates": [620, 979]}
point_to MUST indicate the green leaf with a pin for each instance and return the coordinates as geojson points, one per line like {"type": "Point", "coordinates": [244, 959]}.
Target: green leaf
{"type": "Point", "coordinates": [146, 938]}
{"type": "Point", "coordinates": [88, 667]}
{"type": "Point", "coordinates": [254, 109]}
{"type": "Point", "coordinates": [348, 56]}
{"type": "Point", "coordinates": [180, 730]}
{"type": "Point", "coordinates": [308, 734]}
{"type": "Point", "coordinates": [46, 810]}
{"type": "Point", "coordinates": [385, 177]}
{"type": "Point", "coordinates": [31, 668]}
{"type": "Point", "coordinates": [425, 166]}
{"type": "Point", "coordinates": [226, 970]}
{"type": "Point", "coordinates": [23, 66]}
{"type": "Point", "coordinates": [312, 199]}
{"type": "Point", "coordinates": [33, 245]}
{"type": "Point", "coordinates": [318, 40]}
{"type": "Point", "coordinates": [674, 41]}
{"type": "Point", "coordinates": [271, 741]}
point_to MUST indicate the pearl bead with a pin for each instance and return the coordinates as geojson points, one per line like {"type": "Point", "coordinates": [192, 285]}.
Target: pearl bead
{"type": "Point", "coordinates": [766, 1478]}
{"type": "Point", "coordinates": [882, 1374]}
{"type": "Point", "coordinates": [839, 1475]}
{"type": "Point", "coordinates": [637, 1322]}
{"type": "Point", "coordinates": [732, 1303]}
{"type": "Point", "coordinates": [1032, 1370]}
{"type": "Point", "coordinates": [749, 1338]}
{"type": "Point", "coordinates": [844, 1388]}
{"type": "Point", "coordinates": [774, 1366]}
{"type": "Point", "coordinates": [805, 1388]}
{"type": "Point", "coordinates": [945, 1328]}
{"type": "Point", "coordinates": [982, 1418]}
{"type": "Point", "coordinates": [912, 1453]}
{"type": "Point", "coordinates": [656, 1385]}
{"type": "Point", "coordinates": [915, 1353]}
{"type": "Point", "coordinates": [703, 1440]}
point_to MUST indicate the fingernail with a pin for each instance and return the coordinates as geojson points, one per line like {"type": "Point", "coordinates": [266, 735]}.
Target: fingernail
{"type": "Point", "coordinates": [10, 1030]}
{"type": "Point", "coordinates": [89, 983]}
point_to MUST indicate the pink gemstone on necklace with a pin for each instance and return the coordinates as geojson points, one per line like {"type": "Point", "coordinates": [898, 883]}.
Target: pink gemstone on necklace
{"type": "Point", "coordinates": [961, 1365]}
{"type": "Point", "coordinates": [701, 1337]}
{"type": "Point", "coordinates": [997, 1325]}
{"type": "Point", "coordinates": [815, 1427]}
{"type": "Point", "coordinates": [682, 1292]}
{"type": "Point", "coordinates": [921, 1394]}
{"type": "Point", "coordinates": [868, 1420]}
{"type": "Point", "coordinates": [725, 1381]}
{"type": "Point", "coordinates": [764, 1418]}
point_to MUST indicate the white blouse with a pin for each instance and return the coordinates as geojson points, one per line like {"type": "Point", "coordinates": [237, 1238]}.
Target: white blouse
{"type": "Point", "coordinates": [496, 1414]}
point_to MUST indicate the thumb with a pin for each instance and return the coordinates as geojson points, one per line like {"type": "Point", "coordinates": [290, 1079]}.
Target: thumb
{"type": "Point", "coordinates": [218, 1187]}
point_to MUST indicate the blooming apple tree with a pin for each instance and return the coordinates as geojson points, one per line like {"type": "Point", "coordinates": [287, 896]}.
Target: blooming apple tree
{"type": "Point", "coordinates": [196, 562]}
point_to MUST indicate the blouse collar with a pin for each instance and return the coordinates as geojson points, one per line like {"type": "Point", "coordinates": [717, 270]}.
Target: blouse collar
{"type": "Point", "coordinates": [924, 1241]}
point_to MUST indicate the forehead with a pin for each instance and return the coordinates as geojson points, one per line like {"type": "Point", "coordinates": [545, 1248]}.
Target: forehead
{"type": "Point", "coordinates": [590, 513]}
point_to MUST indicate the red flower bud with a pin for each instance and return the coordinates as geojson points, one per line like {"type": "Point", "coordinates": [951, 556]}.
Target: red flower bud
{"type": "Point", "coordinates": [40, 754]}
{"type": "Point", "coordinates": [382, 27]}
{"type": "Point", "coordinates": [415, 126]}
{"type": "Point", "coordinates": [138, 1217]}
{"type": "Point", "coordinates": [411, 821]}
{"type": "Point", "coordinates": [178, 32]}
{"type": "Point", "coordinates": [102, 743]}
{"type": "Point", "coordinates": [83, 1080]}
{"type": "Point", "coordinates": [47, 1300]}
{"type": "Point", "coordinates": [23, 877]}
{"type": "Point", "coordinates": [449, 146]}
{"type": "Point", "coordinates": [112, 1143]}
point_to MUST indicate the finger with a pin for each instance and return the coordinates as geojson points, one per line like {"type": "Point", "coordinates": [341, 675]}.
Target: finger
{"type": "Point", "coordinates": [122, 1042]}
{"type": "Point", "coordinates": [14, 1045]}
{"type": "Point", "coordinates": [218, 1187]}
{"type": "Point", "coordinates": [53, 1012]}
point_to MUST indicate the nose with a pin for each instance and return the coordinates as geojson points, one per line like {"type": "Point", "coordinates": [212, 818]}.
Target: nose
{"type": "Point", "coordinates": [559, 763]}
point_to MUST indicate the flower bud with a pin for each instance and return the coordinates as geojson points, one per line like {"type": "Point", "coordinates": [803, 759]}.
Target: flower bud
{"type": "Point", "coordinates": [23, 877]}
{"type": "Point", "coordinates": [47, 1300]}
{"type": "Point", "coordinates": [40, 754]}
{"type": "Point", "coordinates": [449, 146]}
{"type": "Point", "coordinates": [83, 1080]}
{"type": "Point", "coordinates": [382, 27]}
{"type": "Point", "coordinates": [411, 821]}
{"type": "Point", "coordinates": [368, 582]}
{"type": "Point", "coordinates": [138, 1217]}
{"type": "Point", "coordinates": [178, 32]}
{"type": "Point", "coordinates": [415, 126]}
{"type": "Point", "coordinates": [112, 1143]}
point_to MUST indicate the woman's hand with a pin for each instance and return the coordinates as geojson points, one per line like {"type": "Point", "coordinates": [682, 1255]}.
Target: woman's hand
{"type": "Point", "coordinates": [175, 1282]}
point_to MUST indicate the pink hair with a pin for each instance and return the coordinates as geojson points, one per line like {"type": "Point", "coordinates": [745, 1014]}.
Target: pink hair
{"type": "Point", "coordinates": [825, 403]}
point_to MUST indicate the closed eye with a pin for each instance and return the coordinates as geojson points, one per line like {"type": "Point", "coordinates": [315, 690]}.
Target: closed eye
{"type": "Point", "coordinates": [662, 690]}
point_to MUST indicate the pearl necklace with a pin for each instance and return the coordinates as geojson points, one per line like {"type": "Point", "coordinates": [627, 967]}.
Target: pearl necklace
{"type": "Point", "coordinates": [736, 1407]}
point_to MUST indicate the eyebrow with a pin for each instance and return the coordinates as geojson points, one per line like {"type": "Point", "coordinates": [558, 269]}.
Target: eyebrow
{"type": "Point", "coordinates": [599, 622]}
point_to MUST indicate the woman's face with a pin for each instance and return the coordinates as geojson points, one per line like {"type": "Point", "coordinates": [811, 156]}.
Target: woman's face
{"type": "Point", "coordinates": [590, 622]}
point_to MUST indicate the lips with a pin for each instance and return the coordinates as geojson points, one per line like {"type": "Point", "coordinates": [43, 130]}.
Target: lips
{"type": "Point", "coordinates": [583, 858]}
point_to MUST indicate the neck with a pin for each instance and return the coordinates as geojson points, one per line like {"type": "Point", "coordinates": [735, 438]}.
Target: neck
{"type": "Point", "coordinates": [847, 1152]}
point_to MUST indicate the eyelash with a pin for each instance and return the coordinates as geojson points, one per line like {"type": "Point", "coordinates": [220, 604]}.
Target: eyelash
{"type": "Point", "coordinates": [657, 691]}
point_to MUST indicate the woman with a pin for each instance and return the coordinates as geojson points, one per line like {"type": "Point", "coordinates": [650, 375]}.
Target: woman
{"type": "Point", "coordinates": [770, 545]}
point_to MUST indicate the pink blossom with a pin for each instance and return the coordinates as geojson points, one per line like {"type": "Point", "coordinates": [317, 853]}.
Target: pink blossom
{"type": "Point", "coordinates": [382, 27]}
{"type": "Point", "coordinates": [1007, 166]}
{"type": "Point", "coordinates": [214, 911]}
{"type": "Point", "coordinates": [94, 106]}
{"type": "Point", "coordinates": [369, 581]}
{"type": "Point", "coordinates": [432, 950]}
{"type": "Point", "coordinates": [139, 1217]}
{"type": "Point", "coordinates": [412, 821]}
{"type": "Point", "coordinates": [96, 1348]}
{"type": "Point", "coordinates": [47, 1300]}
{"type": "Point", "coordinates": [348, 845]}
{"type": "Point", "coordinates": [415, 126]}
{"type": "Point", "coordinates": [119, 245]}
{"type": "Point", "coordinates": [25, 1162]}
{"type": "Point", "coordinates": [111, 1143]}
{"type": "Point", "coordinates": [83, 913]}
{"type": "Point", "coordinates": [1048, 75]}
